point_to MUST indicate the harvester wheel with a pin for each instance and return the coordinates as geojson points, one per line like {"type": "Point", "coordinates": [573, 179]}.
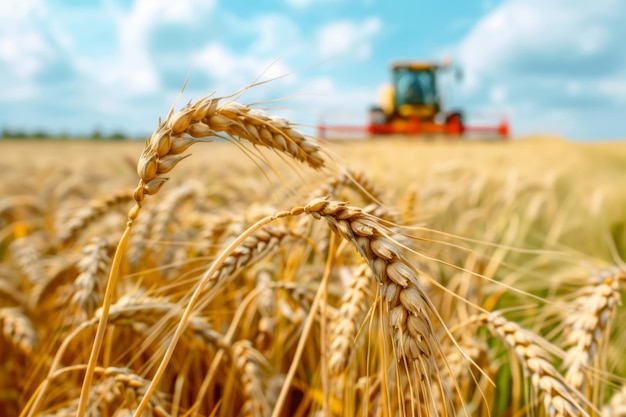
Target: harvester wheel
{"type": "Point", "coordinates": [454, 124]}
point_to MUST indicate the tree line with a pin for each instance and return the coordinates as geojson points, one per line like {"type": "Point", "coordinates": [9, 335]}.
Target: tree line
{"type": "Point", "coordinates": [9, 133]}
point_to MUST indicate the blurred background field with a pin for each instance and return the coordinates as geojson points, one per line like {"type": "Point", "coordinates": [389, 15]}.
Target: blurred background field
{"type": "Point", "coordinates": [574, 189]}
{"type": "Point", "coordinates": [540, 215]}
{"type": "Point", "coordinates": [581, 183]}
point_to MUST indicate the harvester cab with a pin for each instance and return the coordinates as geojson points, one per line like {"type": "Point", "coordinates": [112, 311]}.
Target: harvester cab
{"type": "Point", "coordinates": [413, 104]}
{"type": "Point", "coordinates": [415, 88]}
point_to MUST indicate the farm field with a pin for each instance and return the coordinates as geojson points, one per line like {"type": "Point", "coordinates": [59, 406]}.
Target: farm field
{"type": "Point", "coordinates": [403, 277]}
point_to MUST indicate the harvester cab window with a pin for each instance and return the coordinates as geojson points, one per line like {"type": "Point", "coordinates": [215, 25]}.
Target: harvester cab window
{"type": "Point", "coordinates": [415, 87]}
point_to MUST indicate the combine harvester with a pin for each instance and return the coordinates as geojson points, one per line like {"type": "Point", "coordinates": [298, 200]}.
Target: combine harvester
{"type": "Point", "coordinates": [412, 106]}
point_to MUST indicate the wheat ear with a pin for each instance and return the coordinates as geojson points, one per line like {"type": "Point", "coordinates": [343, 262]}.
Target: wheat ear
{"type": "Point", "coordinates": [353, 304]}
{"type": "Point", "coordinates": [92, 211]}
{"type": "Point", "coordinates": [27, 258]}
{"type": "Point", "coordinates": [560, 399]}
{"type": "Point", "coordinates": [356, 180]}
{"type": "Point", "coordinates": [409, 306]}
{"type": "Point", "coordinates": [616, 405]}
{"type": "Point", "coordinates": [87, 288]}
{"type": "Point", "coordinates": [18, 329]}
{"type": "Point", "coordinates": [152, 311]}
{"type": "Point", "coordinates": [587, 328]}
{"type": "Point", "coordinates": [249, 362]}
{"type": "Point", "coordinates": [206, 118]}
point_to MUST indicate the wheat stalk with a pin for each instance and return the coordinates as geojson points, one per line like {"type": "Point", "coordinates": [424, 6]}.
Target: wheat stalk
{"type": "Point", "coordinates": [163, 151]}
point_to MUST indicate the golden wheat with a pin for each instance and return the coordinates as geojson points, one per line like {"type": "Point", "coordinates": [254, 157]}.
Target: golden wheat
{"type": "Point", "coordinates": [220, 301]}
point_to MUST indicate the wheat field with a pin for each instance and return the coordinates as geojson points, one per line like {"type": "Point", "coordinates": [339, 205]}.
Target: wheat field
{"type": "Point", "coordinates": [273, 274]}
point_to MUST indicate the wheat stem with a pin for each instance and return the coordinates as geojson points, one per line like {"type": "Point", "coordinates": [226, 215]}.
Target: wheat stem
{"type": "Point", "coordinates": [102, 324]}
{"type": "Point", "coordinates": [308, 325]}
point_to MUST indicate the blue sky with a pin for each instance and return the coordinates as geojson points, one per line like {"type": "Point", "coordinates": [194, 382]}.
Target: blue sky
{"type": "Point", "coordinates": [550, 66]}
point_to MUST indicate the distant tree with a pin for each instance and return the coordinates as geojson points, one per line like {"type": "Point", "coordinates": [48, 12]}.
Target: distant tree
{"type": "Point", "coordinates": [7, 132]}
{"type": "Point", "coordinates": [40, 134]}
{"type": "Point", "coordinates": [118, 136]}
{"type": "Point", "coordinates": [96, 135]}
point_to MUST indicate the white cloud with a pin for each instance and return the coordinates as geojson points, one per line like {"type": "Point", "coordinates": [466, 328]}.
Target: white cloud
{"type": "Point", "coordinates": [20, 10]}
{"type": "Point", "coordinates": [147, 14]}
{"type": "Point", "coordinates": [137, 71]}
{"type": "Point", "coordinates": [25, 53]}
{"type": "Point", "coordinates": [498, 94]}
{"type": "Point", "coordinates": [595, 38]}
{"type": "Point", "coordinates": [303, 4]}
{"type": "Point", "coordinates": [234, 71]}
{"type": "Point", "coordinates": [534, 35]}
{"type": "Point", "coordinates": [546, 61]}
{"type": "Point", "coordinates": [348, 38]}
{"type": "Point", "coordinates": [299, 3]}
{"type": "Point", "coordinates": [275, 35]}
{"type": "Point", "coordinates": [24, 50]}
{"type": "Point", "coordinates": [131, 70]}
{"type": "Point", "coordinates": [614, 88]}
